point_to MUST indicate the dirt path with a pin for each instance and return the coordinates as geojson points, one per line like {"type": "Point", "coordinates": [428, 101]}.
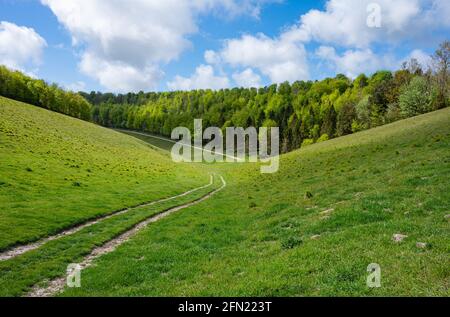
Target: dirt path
{"type": "Point", "coordinates": [57, 285]}
{"type": "Point", "coordinates": [173, 142]}
{"type": "Point", "coordinates": [12, 253]}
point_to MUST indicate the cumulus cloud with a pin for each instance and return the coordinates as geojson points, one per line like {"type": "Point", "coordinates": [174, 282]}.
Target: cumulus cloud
{"type": "Point", "coordinates": [126, 47]}
{"type": "Point", "coordinates": [203, 78]}
{"type": "Point", "coordinates": [247, 78]}
{"type": "Point", "coordinates": [123, 46]}
{"type": "Point", "coordinates": [120, 76]}
{"type": "Point", "coordinates": [235, 8]}
{"type": "Point", "coordinates": [76, 86]}
{"type": "Point", "coordinates": [354, 62]}
{"type": "Point", "coordinates": [212, 57]}
{"type": "Point", "coordinates": [21, 47]}
{"type": "Point", "coordinates": [344, 22]}
{"type": "Point", "coordinates": [423, 58]}
{"type": "Point", "coordinates": [277, 58]}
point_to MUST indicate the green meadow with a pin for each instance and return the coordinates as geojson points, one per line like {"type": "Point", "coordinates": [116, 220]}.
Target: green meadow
{"type": "Point", "coordinates": [311, 229]}
{"type": "Point", "coordinates": [57, 172]}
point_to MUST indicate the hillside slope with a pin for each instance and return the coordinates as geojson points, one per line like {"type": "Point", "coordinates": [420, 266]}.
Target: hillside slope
{"type": "Point", "coordinates": [57, 171]}
{"type": "Point", "coordinates": [311, 229]}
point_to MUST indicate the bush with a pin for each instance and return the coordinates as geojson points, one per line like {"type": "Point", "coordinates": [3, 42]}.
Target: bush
{"type": "Point", "coordinates": [393, 113]}
{"type": "Point", "coordinates": [356, 127]}
{"type": "Point", "coordinates": [307, 142]}
{"type": "Point", "coordinates": [415, 98]}
{"type": "Point", "coordinates": [323, 138]}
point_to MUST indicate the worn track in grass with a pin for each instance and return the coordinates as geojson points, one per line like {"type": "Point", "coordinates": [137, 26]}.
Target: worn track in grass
{"type": "Point", "coordinates": [21, 249]}
{"type": "Point", "coordinates": [57, 285]}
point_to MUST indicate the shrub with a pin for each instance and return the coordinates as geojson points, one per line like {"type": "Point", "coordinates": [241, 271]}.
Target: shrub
{"type": "Point", "coordinates": [415, 98]}
{"type": "Point", "coordinates": [393, 113]}
{"type": "Point", "coordinates": [356, 127]}
{"type": "Point", "coordinates": [307, 142]}
{"type": "Point", "coordinates": [323, 138]}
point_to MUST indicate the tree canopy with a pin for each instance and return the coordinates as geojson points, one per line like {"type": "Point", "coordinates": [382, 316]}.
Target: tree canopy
{"type": "Point", "coordinates": [305, 111]}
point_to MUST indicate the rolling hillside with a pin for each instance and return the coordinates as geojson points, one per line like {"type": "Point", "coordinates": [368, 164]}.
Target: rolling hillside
{"type": "Point", "coordinates": [57, 171]}
{"type": "Point", "coordinates": [310, 229]}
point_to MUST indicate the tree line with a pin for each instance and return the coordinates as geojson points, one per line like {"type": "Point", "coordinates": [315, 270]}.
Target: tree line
{"type": "Point", "coordinates": [305, 111]}
{"type": "Point", "coordinates": [16, 85]}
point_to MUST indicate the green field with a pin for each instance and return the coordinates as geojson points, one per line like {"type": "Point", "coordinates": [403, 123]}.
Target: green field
{"type": "Point", "coordinates": [57, 171]}
{"type": "Point", "coordinates": [310, 229]}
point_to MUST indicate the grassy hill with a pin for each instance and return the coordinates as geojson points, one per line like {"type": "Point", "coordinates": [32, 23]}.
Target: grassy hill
{"type": "Point", "coordinates": [57, 171]}
{"type": "Point", "coordinates": [310, 229]}
{"type": "Point", "coordinates": [263, 235]}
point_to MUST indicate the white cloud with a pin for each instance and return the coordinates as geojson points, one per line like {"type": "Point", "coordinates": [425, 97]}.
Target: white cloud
{"type": "Point", "coordinates": [120, 76]}
{"type": "Point", "coordinates": [124, 45]}
{"type": "Point", "coordinates": [354, 62]}
{"type": "Point", "coordinates": [277, 58]}
{"type": "Point", "coordinates": [76, 86]}
{"type": "Point", "coordinates": [212, 57]}
{"type": "Point", "coordinates": [235, 8]}
{"type": "Point", "coordinates": [203, 78]}
{"type": "Point", "coordinates": [21, 47]}
{"type": "Point", "coordinates": [437, 14]}
{"type": "Point", "coordinates": [247, 78]}
{"type": "Point", "coordinates": [423, 58]}
{"type": "Point", "coordinates": [344, 22]}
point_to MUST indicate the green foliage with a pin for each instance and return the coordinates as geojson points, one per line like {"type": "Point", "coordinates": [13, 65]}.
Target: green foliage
{"type": "Point", "coordinates": [393, 113]}
{"type": "Point", "coordinates": [323, 138]}
{"type": "Point", "coordinates": [345, 119]}
{"type": "Point", "coordinates": [307, 142]}
{"type": "Point", "coordinates": [328, 211]}
{"type": "Point", "coordinates": [364, 193]}
{"type": "Point", "coordinates": [356, 126]}
{"type": "Point", "coordinates": [302, 110]}
{"type": "Point", "coordinates": [61, 171]}
{"type": "Point", "coordinates": [291, 242]}
{"type": "Point", "coordinates": [415, 98]}
{"type": "Point", "coordinates": [15, 85]}
{"type": "Point", "coordinates": [363, 113]}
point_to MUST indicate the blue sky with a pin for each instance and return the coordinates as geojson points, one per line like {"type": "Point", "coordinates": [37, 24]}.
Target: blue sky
{"type": "Point", "coordinates": [113, 45]}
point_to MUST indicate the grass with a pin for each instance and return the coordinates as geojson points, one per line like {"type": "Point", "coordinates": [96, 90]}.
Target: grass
{"type": "Point", "coordinates": [57, 171]}
{"type": "Point", "coordinates": [255, 237]}
{"type": "Point", "coordinates": [156, 142]}
{"type": "Point", "coordinates": [309, 230]}
{"type": "Point", "coordinates": [18, 275]}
